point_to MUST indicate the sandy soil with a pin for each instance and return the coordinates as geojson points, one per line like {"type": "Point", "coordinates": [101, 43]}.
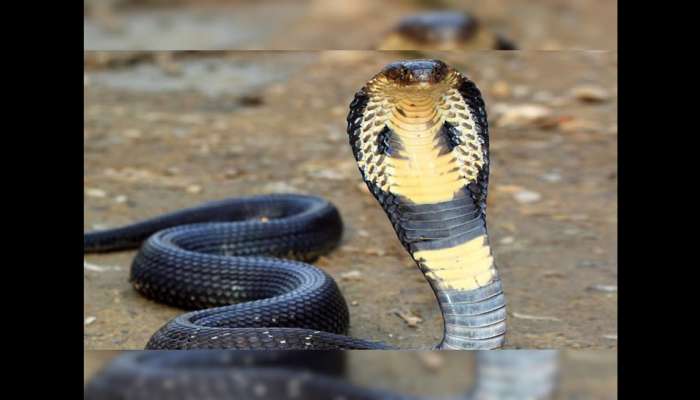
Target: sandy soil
{"type": "Point", "coordinates": [583, 374]}
{"type": "Point", "coordinates": [159, 138]}
{"type": "Point", "coordinates": [324, 24]}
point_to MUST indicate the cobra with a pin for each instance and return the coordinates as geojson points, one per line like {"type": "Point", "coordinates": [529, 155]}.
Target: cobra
{"type": "Point", "coordinates": [443, 30]}
{"type": "Point", "coordinates": [419, 134]}
{"type": "Point", "coordinates": [319, 375]}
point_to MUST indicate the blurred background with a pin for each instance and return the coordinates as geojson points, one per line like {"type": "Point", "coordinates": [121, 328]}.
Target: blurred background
{"type": "Point", "coordinates": [334, 24]}
{"type": "Point", "coordinates": [165, 131]}
{"type": "Point", "coordinates": [582, 374]}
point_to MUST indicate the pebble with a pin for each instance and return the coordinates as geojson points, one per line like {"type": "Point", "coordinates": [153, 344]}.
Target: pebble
{"type": "Point", "coordinates": [193, 189]}
{"type": "Point", "coordinates": [521, 115]}
{"type": "Point", "coordinates": [90, 320]}
{"type": "Point", "coordinates": [578, 125]}
{"type": "Point", "coordinates": [507, 240]}
{"type": "Point", "coordinates": [411, 320]}
{"type": "Point", "coordinates": [534, 317]}
{"type": "Point", "coordinates": [603, 288]}
{"type": "Point", "coordinates": [231, 173]}
{"type": "Point", "coordinates": [552, 177]}
{"type": "Point", "coordinates": [589, 264]}
{"type": "Point", "coordinates": [527, 196]}
{"type": "Point", "coordinates": [121, 199]}
{"type": "Point", "coordinates": [351, 275]}
{"type": "Point", "coordinates": [590, 93]}
{"type": "Point", "coordinates": [611, 337]}
{"type": "Point", "coordinates": [93, 192]}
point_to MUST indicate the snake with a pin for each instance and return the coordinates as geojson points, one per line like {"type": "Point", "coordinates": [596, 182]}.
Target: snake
{"type": "Point", "coordinates": [443, 30]}
{"type": "Point", "coordinates": [317, 375]}
{"type": "Point", "coordinates": [241, 266]}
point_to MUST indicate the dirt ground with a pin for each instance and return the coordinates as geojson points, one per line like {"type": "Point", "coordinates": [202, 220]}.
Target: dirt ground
{"type": "Point", "coordinates": [159, 137]}
{"type": "Point", "coordinates": [325, 24]}
{"type": "Point", "coordinates": [583, 374]}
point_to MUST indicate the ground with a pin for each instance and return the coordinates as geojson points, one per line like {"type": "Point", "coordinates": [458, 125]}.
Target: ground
{"type": "Point", "coordinates": [324, 24]}
{"type": "Point", "coordinates": [583, 374]}
{"type": "Point", "coordinates": [167, 135]}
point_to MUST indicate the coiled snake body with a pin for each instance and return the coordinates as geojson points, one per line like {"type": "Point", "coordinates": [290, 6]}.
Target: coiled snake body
{"type": "Point", "coordinates": [419, 134]}
{"type": "Point", "coordinates": [318, 375]}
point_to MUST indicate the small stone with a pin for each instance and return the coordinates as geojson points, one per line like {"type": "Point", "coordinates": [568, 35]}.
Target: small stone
{"type": "Point", "coordinates": [527, 196]}
{"type": "Point", "coordinates": [172, 171]}
{"type": "Point", "coordinates": [611, 337]}
{"type": "Point", "coordinates": [411, 320]}
{"type": "Point", "coordinates": [507, 240]}
{"type": "Point", "coordinates": [193, 189]}
{"type": "Point", "coordinates": [534, 317]}
{"type": "Point", "coordinates": [588, 264]}
{"type": "Point", "coordinates": [354, 303]}
{"type": "Point", "coordinates": [590, 93]}
{"type": "Point", "coordinates": [521, 115]}
{"type": "Point", "coordinates": [231, 173]}
{"type": "Point", "coordinates": [351, 275]}
{"type": "Point", "coordinates": [93, 192]}
{"type": "Point", "coordinates": [578, 125]}
{"type": "Point", "coordinates": [375, 252]}
{"type": "Point", "coordinates": [552, 177]}
{"type": "Point", "coordinates": [603, 288]}
{"type": "Point", "coordinates": [121, 199]}
{"type": "Point", "coordinates": [90, 320]}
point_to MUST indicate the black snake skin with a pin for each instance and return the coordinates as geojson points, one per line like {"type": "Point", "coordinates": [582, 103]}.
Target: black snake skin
{"type": "Point", "coordinates": [281, 375]}
{"type": "Point", "coordinates": [220, 259]}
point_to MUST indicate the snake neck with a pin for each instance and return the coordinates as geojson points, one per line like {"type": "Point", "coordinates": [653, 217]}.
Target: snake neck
{"type": "Point", "coordinates": [449, 243]}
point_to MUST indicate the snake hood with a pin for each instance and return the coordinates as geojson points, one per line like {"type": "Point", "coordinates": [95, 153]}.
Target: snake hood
{"type": "Point", "coordinates": [419, 133]}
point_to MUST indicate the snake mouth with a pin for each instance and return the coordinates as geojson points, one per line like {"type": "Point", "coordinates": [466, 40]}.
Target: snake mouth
{"type": "Point", "coordinates": [421, 74]}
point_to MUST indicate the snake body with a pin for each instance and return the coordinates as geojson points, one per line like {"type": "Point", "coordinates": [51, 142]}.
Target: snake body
{"type": "Point", "coordinates": [281, 375]}
{"type": "Point", "coordinates": [443, 30]}
{"type": "Point", "coordinates": [419, 134]}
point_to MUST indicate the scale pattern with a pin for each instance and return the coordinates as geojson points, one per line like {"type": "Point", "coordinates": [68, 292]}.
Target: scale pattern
{"type": "Point", "coordinates": [242, 296]}
{"type": "Point", "coordinates": [423, 151]}
{"type": "Point", "coordinates": [282, 375]}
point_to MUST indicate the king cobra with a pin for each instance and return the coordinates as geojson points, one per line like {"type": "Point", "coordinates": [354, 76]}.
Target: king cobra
{"type": "Point", "coordinates": [443, 30]}
{"type": "Point", "coordinates": [318, 375]}
{"type": "Point", "coordinates": [419, 133]}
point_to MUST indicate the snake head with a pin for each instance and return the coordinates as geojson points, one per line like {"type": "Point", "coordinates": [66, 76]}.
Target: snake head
{"type": "Point", "coordinates": [416, 72]}
{"type": "Point", "coordinates": [435, 27]}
